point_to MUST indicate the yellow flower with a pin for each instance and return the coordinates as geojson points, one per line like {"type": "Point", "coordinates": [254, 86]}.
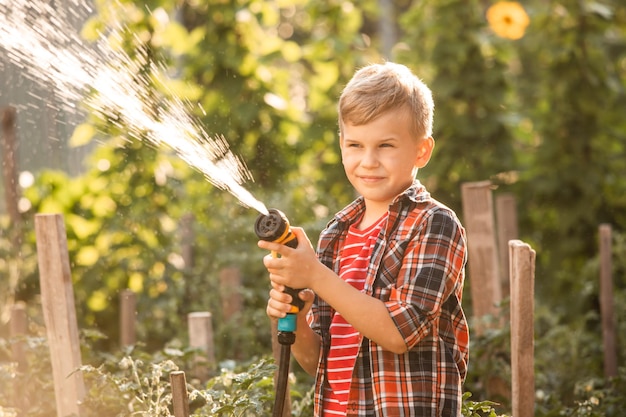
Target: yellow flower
{"type": "Point", "coordinates": [508, 19]}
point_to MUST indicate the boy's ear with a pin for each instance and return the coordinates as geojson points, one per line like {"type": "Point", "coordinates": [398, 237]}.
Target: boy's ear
{"type": "Point", "coordinates": [424, 151]}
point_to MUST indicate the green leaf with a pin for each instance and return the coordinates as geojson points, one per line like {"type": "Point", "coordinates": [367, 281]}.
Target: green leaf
{"type": "Point", "coordinates": [291, 51]}
{"type": "Point", "coordinates": [83, 134]}
{"type": "Point", "coordinates": [82, 227]}
{"type": "Point", "coordinates": [176, 37]}
{"type": "Point", "coordinates": [87, 256]}
{"type": "Point", "coordinates": [326, 75]}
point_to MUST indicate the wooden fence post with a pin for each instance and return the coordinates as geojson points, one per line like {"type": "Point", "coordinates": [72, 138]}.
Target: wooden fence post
{"type": "Point", "coordinates": [230, 290]}
{"type": "Point", "coordinates": [506, 218]}
{"type": "Point", "coordinates": [187, 238]}
{"type": "Point", "coordinates": [57, 299]}
{"type": "Point", "coordinates": [522, 274]}
{"type": "Point", "coordinates": [19, 328]}
{"type": "Point", "coordinates": [8, 116]}
{"type": "Point", "coordinates": [8, 149]}
{"type": "Point", "coordinates": [609, 337]}
{"type": "Point", "coordinates": [200, 327]}
{"type": "Point", "coordinates": [483, 255]}
{"type": "Point", "coordinates": [128, 311]}
{"type": "Point", "coordinates": [180, 399]}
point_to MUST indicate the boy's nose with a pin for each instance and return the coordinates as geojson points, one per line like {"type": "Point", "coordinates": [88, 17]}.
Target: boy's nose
{"type": "Point", "coordinates": [370, 159]}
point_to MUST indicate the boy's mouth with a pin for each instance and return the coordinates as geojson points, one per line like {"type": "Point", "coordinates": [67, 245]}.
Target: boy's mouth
{"type": "Point", "coordinates": [369, 178]}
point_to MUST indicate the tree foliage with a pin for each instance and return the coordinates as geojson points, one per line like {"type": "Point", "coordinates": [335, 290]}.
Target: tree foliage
{"type": "Point", "coordinates": [541, 116]}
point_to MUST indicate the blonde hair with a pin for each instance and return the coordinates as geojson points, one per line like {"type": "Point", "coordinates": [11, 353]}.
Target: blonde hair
{"type": "Point", "coordinates": [378, 88]}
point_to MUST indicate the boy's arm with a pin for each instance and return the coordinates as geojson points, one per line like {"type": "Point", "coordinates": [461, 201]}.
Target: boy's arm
{"type": "Point", "coordinates": [431, 272]}
{"type": "Point", "coordinates": [300, 268]}
{"type": "Point", "coordinates": [432, 264]}
{"type": "Point", "coordinates": [366, 314]}
{"type": "Point", "coordinates": [306, 348]}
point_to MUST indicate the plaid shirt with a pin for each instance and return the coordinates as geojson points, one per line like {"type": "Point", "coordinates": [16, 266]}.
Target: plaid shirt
{"type": "Point", "coordinates": [417, 270]}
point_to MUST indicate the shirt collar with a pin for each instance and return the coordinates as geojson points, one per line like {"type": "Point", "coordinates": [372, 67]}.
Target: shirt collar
{"type": "Point", "coordinates": [415, 193]}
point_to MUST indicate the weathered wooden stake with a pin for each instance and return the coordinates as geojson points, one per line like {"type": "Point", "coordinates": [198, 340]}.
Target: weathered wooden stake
{"type": "Point", "coordinates": [609, 336]}
{"type": "Point", "coordinates": [230, 290]}
{"type": "Point", "coordinates": [8, 149]}
{"type": "Point", "coordinates": [8, 116]}
{"type": "Point", "coordinates": [506, 218]}
{"type": "Point", "coordinates": [522, 273]}
{"type": "Point", "coordinates": [180, 399]}
{"type": "Point", "coordinates": [128, 311]}
{"type": "Point", "coordinates": [200, 327]}
{"type": "Point", "coordinates": [57, 299]}
{"type": "Point", "coordinates": [18, 328]}
{"type": "Point", "coordinates": [483, 254]}
{"type": "Point", "coordinates": [187, 239]}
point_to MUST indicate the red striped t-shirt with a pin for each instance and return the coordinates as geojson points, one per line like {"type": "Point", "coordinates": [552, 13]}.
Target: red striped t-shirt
{"type": "Point", "coordinates": [344, 345]}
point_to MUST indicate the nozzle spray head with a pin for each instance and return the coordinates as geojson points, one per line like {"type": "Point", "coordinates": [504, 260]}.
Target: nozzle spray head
{"type": "Point", "coordinates": [274, 227]}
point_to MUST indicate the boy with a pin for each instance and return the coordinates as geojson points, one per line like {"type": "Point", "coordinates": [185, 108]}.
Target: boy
{"type": "Point", "coordinates": [385, 334]}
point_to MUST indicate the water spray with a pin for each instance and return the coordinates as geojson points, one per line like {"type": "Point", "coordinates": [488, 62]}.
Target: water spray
{"type": "Point", "coordinates": [274, 227]}
{"type": "Point", "coordinates": [37, 37]}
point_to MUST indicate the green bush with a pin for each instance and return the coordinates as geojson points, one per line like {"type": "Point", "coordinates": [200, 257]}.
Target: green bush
{"type": "Point", "coordinates": [539, 116]}
{"type": "Point", "coordinates": [137, 383]}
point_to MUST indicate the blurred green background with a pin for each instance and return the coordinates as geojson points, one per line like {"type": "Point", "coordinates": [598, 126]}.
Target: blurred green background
{"type": "Point", "coordinates": [528, 95]}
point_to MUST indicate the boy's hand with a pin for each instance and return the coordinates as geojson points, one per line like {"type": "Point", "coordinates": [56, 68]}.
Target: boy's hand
{"type": "Point", "coordinates": [294, 267]}
{"type": "Point", "coordinates": [279, 303]}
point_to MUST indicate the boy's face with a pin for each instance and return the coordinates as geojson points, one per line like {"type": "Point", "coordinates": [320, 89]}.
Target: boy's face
{"type": "Point", "coordinates": [380, 157]}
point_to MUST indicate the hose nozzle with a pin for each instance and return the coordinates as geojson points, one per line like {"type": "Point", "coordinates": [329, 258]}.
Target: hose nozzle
{"type": "Point", "coordinates": [274, 227]}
